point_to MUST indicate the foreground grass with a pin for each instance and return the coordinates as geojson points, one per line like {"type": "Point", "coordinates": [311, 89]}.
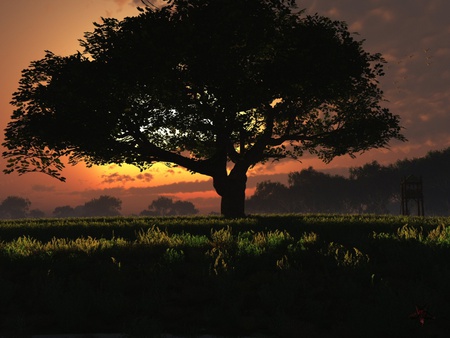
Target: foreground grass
{"type": "Point", "coordinates": [283, 276]}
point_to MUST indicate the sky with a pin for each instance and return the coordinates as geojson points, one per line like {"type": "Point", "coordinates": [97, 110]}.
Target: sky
{"type": "Point", "coordinates": [412, 35]}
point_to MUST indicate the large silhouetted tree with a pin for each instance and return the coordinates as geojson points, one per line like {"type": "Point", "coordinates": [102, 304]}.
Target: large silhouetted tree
{"type": "Point", "coordinates": [214, 86]}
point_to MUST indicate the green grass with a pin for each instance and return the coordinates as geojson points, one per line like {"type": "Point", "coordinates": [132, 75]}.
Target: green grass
{"type": "Point", "coordinates": [278, 275]}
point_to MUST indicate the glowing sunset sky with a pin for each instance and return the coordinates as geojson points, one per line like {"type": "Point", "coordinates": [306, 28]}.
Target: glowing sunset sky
{"type": "Point", "coordinates": [413, 36]}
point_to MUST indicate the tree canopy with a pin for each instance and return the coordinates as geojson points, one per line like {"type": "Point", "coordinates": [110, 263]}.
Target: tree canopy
{"type": "Point", "coordinates": [214, 86]}
{"type": "Point", "coordinates": [103, 206]}
{"type": "Point", "coordinates": [14, 207]}
{"type": "Point", "coordinates": [165, 206]}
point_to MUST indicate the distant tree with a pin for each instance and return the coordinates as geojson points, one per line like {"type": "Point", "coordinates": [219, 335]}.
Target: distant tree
{"type": "Point", "coordinates": [434, 169]}
{"type": "Point", "coordinates": [270, 197]}
{"type": "Point", "coordinates": [64, 211]}
{"type": "Point", "coordinates": [164, 206]}
{"type": "Point", "coordinates": [371, 188]}
{"type": "Point", "coordinates": [14, 207]}
{"type": "Point", "coordinates": [184, 208]}
{"type": "Point", "coordinates": [214, 86]}
{"type": "Point", "coordinates": [437, 182]}
{"type": "Point", "coordinates": [36, 213]}
{"type": "Point", "coordinates": [377, 187]}
{"type": "Point", "coordinates": [79, 211]}
{"type": "Point", "coordinates": [148, 212]}
{"type": "Point", "coordinates": [159, 207]}
{"type": "Point", "coordinates": [102, 206]}
{"type": "Point", "coordinates": [315, 191]}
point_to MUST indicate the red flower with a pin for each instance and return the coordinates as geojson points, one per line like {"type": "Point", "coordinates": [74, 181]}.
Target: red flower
{"type": "Point", "coordinates": [421, 314]}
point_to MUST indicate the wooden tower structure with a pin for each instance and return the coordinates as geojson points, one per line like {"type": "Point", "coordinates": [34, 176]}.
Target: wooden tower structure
{"type": "Point", "coordinates": [412, 190]}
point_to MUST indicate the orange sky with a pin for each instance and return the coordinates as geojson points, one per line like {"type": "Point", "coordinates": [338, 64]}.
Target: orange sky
{"type": "Point", "coordinates": [414, 39]}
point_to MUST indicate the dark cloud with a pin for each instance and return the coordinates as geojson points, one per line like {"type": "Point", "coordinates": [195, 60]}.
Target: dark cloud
{"type": "Point", "coordinates": [199, 186]}
{"type": "Point", "coordinates": [116, 177]}
{"type": "Point", "coordinates": [146, 177]}
{"type": "Point", "coordinates": [43, 188]}
{"type": "Point", "coordinates": [174, 188]}
{"type": "Point", "coordinates": [120, 178]}
{"type": "Point", "coordinates": [178, 187]}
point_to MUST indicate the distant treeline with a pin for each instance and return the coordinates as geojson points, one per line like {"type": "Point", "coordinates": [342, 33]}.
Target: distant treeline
{"type": "Point", "coordinates": [372, 188]}
{"type": "Point", "coordinates": [14, 207]}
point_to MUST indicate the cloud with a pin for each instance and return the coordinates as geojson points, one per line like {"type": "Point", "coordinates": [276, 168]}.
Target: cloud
{"type": "Point", "coordinates": [146, 177]}
{"type": "Point", "coordinates": [415, 40]}
{"type": "Point", "coordinates": [174, 188]}
{"type": "Point", "coordinates": [120, 178]}
{"type": "Point", "coordinates": [42, 188]}
{"type": "Point", "coordinates": [116, 177]}
{"type": "Point", "coordinates": [122, 3]}
{"type": "Point", "coordinates": [384, 14]}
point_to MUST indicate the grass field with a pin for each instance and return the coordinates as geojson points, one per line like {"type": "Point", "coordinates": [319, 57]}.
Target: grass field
{"type": "Point", "coordinates": [274, 275]}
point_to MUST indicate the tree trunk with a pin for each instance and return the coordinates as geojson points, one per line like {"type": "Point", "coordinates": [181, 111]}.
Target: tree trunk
{"type": "Point", "coordinates": [232, 190]}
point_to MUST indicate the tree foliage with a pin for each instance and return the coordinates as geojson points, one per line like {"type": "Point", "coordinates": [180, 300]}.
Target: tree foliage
{"type": "Point", "coordinates": [103, 206]}
{"type": "Point", "coordinates": [14, 207]}
{"type": "Point", "coordinates": [64, 211]}
{"type": "Point", "coordinates": [165, 206]}
{"type": "Point", "coordinates": [215, 86]}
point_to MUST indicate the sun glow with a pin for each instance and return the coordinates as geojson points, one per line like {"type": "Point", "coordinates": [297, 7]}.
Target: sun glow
{"type": "Point", "coordinates": [127, 175]}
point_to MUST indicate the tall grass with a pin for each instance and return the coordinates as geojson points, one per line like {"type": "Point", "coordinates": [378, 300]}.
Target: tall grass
{"type": "Point", "coordinates": [286, 276]}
